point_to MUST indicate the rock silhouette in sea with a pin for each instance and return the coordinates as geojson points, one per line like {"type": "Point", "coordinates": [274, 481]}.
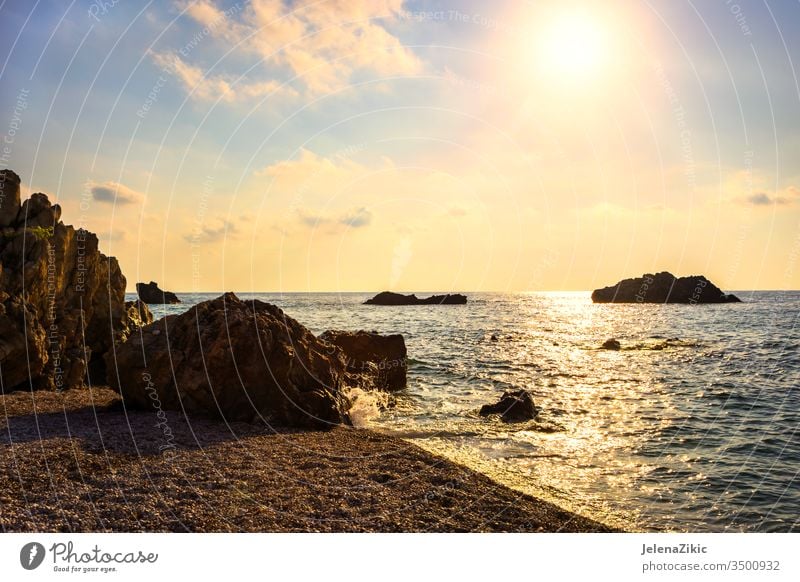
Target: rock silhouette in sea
{"type": "Point", "coordinates": [239, 360]}
{"type": "Point", "coordinates": [62, 302]}
{"type": "Point", "coordinates": [152, 294]}
{"type": "Point", "coordinates": [663, 287]}
{"type": "Point", "coordinates": [513, 406]}
{"type": "Point", "coordinates": [379, 360]}
{"type": "Point", "coordinates": [389, 298]}
{"type": "Point", "coordinates": [611, 344]}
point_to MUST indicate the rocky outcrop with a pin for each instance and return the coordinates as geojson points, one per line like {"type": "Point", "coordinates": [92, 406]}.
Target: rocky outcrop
{"type": "Point", "coordinates": [150, 293]}
{"type": "Point", "coordinates": [138, 314]}
{"type": "Point", "coordinates": [513, 406]}
{"type": "Point", "coordinates": [62, 302]}
{"type": "Point", "coordinates": [611, 344]}
{"type": "Point", "coordinates": [663, 288]}
{"type": "Point", "coordinates": [9, 198]}
{"type": "Point", "coordinates": [389, 298]}
{"type": "Point", "coordinates": [239, 360]}
{"type": "Point", "coordinates": [380, 361]}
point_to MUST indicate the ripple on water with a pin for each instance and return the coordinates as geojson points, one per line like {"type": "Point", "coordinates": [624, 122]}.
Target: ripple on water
{"type": "Point", "coordinates": [691, 426]}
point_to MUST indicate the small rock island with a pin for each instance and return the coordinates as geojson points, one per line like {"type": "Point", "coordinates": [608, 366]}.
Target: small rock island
{"type": "Point", "coordinates": [151, 293]}
{"type": "Point", "coordinates": [663, 287]}
{"type": "Point", "coordinates": [389, 298]}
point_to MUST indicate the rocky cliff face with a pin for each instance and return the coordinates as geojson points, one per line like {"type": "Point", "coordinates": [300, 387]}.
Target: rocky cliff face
{"type": "Point", "coordinates": [62, 302]}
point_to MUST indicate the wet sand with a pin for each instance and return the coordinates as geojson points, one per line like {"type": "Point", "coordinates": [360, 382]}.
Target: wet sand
{"type": "Point", "coordinates": [78, 461]}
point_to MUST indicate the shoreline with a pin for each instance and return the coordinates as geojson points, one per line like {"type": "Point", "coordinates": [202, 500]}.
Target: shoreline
{"type": "Point", "coordinates": [80, 462]}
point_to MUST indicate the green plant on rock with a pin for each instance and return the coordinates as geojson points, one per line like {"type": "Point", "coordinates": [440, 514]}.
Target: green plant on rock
{"type": "Point", "coordinates": [42, 232]}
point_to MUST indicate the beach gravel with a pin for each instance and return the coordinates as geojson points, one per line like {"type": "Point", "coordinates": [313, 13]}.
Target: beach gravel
{"type": "Point", "coordinates": [78, 461]}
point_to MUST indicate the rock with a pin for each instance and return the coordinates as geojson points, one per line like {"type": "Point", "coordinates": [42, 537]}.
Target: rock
{"type": "Point", "coordinates": [663, 288]}
{"type": "Point", "coordinates": [514, 406]}
{"type": "Point", "coordinates": [73, 307]}
{"type": "Point", "coordinates": [139, 314]}
{"type": "Point", "coordinates": [381, 360]}
{"type": "Point", "coordinates": [23, 352]}
{"type": "Point", "coordinates": [494, 338]}
{"type": "Point", "coordinates": [237, 360]}
{"type": "Point", "coordinates": [150, 293]}
{"type": "Point", "coordinates": [9, 197]}
{"type": "Point", "coordinates": [389, 298]}
{"type": "Point", "coordinates": [37, 211]}
{"type": "Point", "coordinates": [611, 344]}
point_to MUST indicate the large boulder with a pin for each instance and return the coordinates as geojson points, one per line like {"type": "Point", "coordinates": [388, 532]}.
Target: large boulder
{"type": "Point", "coordinates": [389, 298]}
{"type": "Point", "coordinates": [379, 359]}
{"type": "Point", "coordinates": [513, 406]}
{"type": "Point", "coordinates": [239, 360]}
{"type": "Point", "coordinates": [62, 300]}
{"type": "Point", "coordinates": [9, 197]}
{"type": "Point", "coordinates": [663, 287]}
{"type": "Point", "coordinates": [151, 293]}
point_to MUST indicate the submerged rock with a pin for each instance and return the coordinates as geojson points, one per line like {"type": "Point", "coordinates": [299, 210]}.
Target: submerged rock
{"type": "Point", "coordinates": [663, 287]}
{"type": "Point", "coordinates": [62, 302]}
{"type": "Point", "coordinates": [611, 344]}
{"type": "Point", "coordinates": [381, 360]}
{"type": "Point", "coordinates": [514, 406]}
{"type": "Point", "coordinates": [239, 360]}
{"type": "Point", "coordinates": [151, 293]}
{"type": "Point", "coordinates": [389, 298]}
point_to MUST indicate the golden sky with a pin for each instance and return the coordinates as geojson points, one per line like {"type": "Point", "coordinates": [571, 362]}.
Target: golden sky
{"type": "Point", "coordinates": [361, 146]}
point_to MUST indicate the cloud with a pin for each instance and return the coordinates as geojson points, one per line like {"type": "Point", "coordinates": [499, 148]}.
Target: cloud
{"type": "Point", "coordinates": [355, 218]}
{"type": "Point", "coordinates": [204, 234]}
{"type": "Point", "coordinates": [457, 211]}
{"type": "Point", "coordinates": [115, 235]}
{"type": "Point", "coordinates": [790, 196]}
{"type": "Point", "coordinates": [310, 165]}
{"type": "Point", "coordinates": [310, 219]}
{"type": "Point", "coordinates": [323, 44]}
{"type": "Point", "coordinates": [114, 193]}
{"type": "Point", "coordinates": [205, 87]}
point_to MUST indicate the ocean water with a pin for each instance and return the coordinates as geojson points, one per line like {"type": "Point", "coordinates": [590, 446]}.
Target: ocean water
{"type": "Point", "coordinates": [691, 426]}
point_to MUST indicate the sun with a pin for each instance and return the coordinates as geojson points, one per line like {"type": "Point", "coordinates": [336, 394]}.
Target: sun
{"type": "Point", "coordinates": [573, 46]}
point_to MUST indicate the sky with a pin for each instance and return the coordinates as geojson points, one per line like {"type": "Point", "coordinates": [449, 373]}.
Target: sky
{"type": "Point", "coordinates": [355, 145]}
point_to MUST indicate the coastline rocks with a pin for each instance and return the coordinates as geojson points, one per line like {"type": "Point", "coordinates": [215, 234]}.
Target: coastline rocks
{"type": "Point", "coordinates": [611, 344]}
{"type": "Point", "coordinates": [389, 298]}
{"type": "Point", "coordinates": [150, 293]}
{"type": "Point", "coordinates": [663, 287]}
{"type": "Point", "coordinates": [9, 197]}
{"type": "Point", "coordinates": [62, 300]}
{"type": "Point", "coordinates": [380, 360]}
{"type": "Point", "coordinates": [513, 406]}
{"type": "Point", "coordinates": [138, 313]}
{"type": "Point", "coordinates": [37, 211]}
{"type": "Point", "coordinates": [237, 360]}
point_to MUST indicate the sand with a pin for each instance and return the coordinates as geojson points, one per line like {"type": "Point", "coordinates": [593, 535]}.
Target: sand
{"type": "Point", "coordinates": [78, 461]}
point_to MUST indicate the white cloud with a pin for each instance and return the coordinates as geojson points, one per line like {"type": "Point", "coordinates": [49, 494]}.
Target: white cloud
{"type": "Point", "coordinates": [206, 87]}
{"type": "Point", "coordinates": [114, 193]}
{"type": "Point", "coordinates": [204, 233]}
{"type": "Point", "coordinates": [321, 43]}
{"type": "Point", "coordinates": [355, 218]}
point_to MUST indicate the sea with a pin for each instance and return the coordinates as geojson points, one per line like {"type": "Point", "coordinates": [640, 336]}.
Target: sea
{"type": "Point", "coordinates": [692, 426]}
